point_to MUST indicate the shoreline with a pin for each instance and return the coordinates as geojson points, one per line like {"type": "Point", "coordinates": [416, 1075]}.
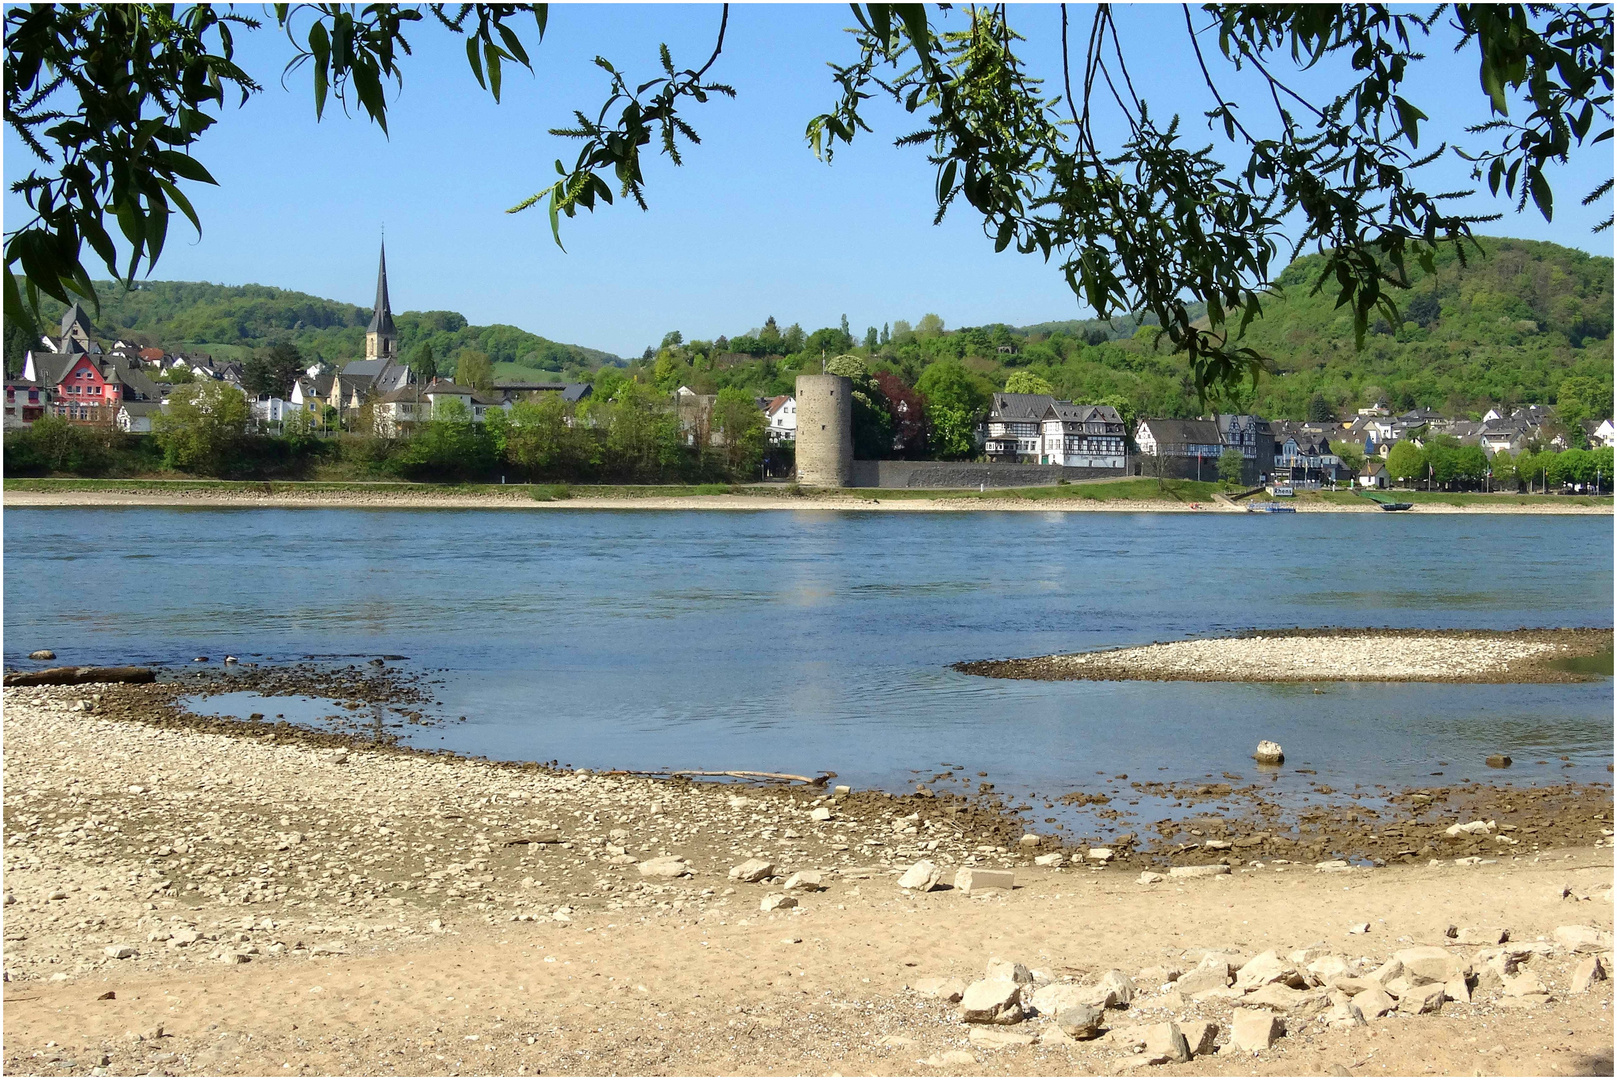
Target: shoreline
{"type": "Point", "coordinates": [251, 496]}
{"type": "Point", "coordinates": [1543, 655]}
{"type": "Point", "coordinates": [248, 903]}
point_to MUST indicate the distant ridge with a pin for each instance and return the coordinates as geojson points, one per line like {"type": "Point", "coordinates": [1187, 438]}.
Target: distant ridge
{"type": "Point", "coordinates": [227, 319]}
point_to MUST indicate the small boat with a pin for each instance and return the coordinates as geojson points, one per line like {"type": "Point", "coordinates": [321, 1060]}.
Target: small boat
{"type": "Point", "coordinates": [1270, 508]}
{"type": "Point", "coordinates": [1397, 506]}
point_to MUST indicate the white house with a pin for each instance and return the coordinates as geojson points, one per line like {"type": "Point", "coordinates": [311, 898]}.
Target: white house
{"type": "Point", "coordinates": [1601, 435]}
{"type": "Point", "coordinates": [395, 412]}
{"type": "Point", "coordinates": [780, 418]}
{"type": "Point", "coordinates": [1084, 436]}
{"type": "Point", "coordinates": [135, 417]}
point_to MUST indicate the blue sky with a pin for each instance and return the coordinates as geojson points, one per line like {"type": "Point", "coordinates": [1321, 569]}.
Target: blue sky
{"type": "Point", "coordinates": [753, 225]}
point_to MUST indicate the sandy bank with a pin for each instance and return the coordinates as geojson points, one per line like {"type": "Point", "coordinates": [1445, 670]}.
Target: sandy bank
{"type": "Point", "coordinates": [280, 908]}
{"type": "Point", "coordinates": [518, 499]}
{"type": "Point", "coordinates": [1457, 656]}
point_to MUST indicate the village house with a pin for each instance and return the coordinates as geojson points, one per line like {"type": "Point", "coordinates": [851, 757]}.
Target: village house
{"type": "Point", "coordinates": [1190, 449]}
{"type": "Point", "coordinates": [398, 411]}
{"type": "Point", "coordinates": [1303, 458]}
{"type": "Point", "coordinates": [1012, 431]}
{"type": "Point", "coordinates": [1373, 474]}
{"type": "Point", "coordinates": [135, 417]}
{"type": "Point", "coordinates": [512, 392]}
{"type": "Point", "coordinates": [1082, 436]}
{"type": "Point", "coordinates": [26, 401]}
{"type": "Point", "coordinates": [780, 418]}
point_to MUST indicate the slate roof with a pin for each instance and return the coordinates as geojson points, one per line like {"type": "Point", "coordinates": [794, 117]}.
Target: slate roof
{"type": "Point", "coordinates": [1183, 432]}
{"type": "Point", "coordinates": [382, 316]}
{"type": "Point", "coordinates": [1066, 410]}
{"type": "Point", "coordinates": [1019, 407]}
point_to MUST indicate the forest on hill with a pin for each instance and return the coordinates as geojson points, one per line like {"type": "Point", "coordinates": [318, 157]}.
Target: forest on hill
{"type": "Point", "coordinates": [1511, 326]}
{"type": "Point", "coordinates": [230, 321]}
{"type": "Point", "coordinates": [1522, 322]}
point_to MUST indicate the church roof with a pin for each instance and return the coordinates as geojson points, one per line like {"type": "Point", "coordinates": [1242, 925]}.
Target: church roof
{"type": "Point", "coordinates": [75, 315]}
{"type": "Point", "coordinates": [382, 317]}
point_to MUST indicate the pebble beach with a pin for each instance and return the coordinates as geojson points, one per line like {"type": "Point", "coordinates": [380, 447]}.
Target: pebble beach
{"type": "Point", "coordinates": [190, 897]}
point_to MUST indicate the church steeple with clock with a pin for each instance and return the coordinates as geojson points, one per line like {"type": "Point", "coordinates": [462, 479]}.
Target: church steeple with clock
{"type": "Point", "coordinates": [381, 339]}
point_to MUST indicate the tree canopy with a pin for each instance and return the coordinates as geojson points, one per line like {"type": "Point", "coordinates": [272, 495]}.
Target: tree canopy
{"type": "Point", "coordinates": [113, 99]}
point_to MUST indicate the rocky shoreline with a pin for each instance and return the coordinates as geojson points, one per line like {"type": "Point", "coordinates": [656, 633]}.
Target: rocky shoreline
{"type": "Point", "coordinates": [1331, 655]}
{"type": "Point", "coordinates": [188, 894]}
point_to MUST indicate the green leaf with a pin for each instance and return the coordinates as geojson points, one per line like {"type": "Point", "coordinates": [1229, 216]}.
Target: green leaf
{"type": "Point", "coordinates": [1543, 198]}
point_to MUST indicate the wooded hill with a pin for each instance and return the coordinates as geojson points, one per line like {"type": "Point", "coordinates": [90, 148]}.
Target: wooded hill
{"type": "Point", "coordinates": [1511, 326]}
{"type": "Point", "coordinates": [230, 321]}
{"type": "Point", "coordinates": [1514, 325]}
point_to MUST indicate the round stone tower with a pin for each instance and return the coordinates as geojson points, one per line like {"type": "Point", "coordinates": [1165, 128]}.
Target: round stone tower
{"type": "Point", "coordinates": [825, 430]}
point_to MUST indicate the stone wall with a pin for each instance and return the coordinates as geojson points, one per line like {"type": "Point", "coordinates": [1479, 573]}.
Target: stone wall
{"type": "Point", "coordinates": [964, 474]}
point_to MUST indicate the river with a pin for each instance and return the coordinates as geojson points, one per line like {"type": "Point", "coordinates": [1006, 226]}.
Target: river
{"type": "Point", "coordinates": [821, 641]}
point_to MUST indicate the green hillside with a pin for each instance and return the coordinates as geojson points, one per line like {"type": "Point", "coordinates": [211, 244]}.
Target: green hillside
{"type": "Point", "coordinates": [1513, 326]}
{"type": "Point", "coordinates": [232, 320]}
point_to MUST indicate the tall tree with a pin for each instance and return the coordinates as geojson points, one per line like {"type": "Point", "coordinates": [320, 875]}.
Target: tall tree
{"type": "Point", "coordinates": [113, 98]}
{"type": "Point", "coordinates": [474, 369]}
{"type": "Point", "coordinates": [273, 370]}
{"type": "Point", "coordinates": [202, 426]}
{"type": "Point", "coordinates": [423, 362]}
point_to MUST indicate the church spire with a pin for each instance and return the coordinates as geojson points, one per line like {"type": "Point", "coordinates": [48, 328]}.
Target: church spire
{"type": "Point", "coordinates": [382, 318]}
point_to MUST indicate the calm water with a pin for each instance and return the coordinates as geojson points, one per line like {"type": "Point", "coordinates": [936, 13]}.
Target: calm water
{"type": "Point", "coordinates": [815, 641]}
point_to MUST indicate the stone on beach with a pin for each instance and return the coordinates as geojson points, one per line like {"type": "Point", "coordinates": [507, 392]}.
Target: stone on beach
{"type": "Point", "coordinates": [922, 877]}
{"type": "Point", "coordinates": [950, 990]}
{"type": "Point", "coordinates": [777, 901]}
{"type": "Point", "coordinates": [665, 866]}
{"type": "Point", "coordinates": [1582, 939]}
{"type": "Point", "coordinates": [752, 870]}
{"type": "Point", "coordinates": [1374, 1003]}
{"type": "Point", "coordinates": [1166, 1041]}
{"type": "Point", "coordinates": [991, 1001]}
{"type": "Point", "coordinates": [1255, 1029]}
{"type": "Point", "coordinates": [1213, 870]}
{"type": "Point", "coordinates": [1008, 969]}
{"type": "Point", "coordinates": [1269, 753]}
{"type": "Point", "coordinates": [1148, 877]}
{"type": "Point", "coordinates": [42, 654]}
{"type": "Point", "coordinates": [971, 879]}
{"type": "Point", "coordinates": [1078, 1020]}
{"type": "Point", "coordinates": [804, 881]}
{"type": "Point", "coordinates": [1588, 972]}
{"type": "Point", "coordinates": [820, 813]}
{"type": "Point", "coordinates": [1497, 761]}
{"type": "Point", "coordinates": [1055, 858]}
{"type": "Point", "coordinates": [1201, 1036]}
{"type": "Point", "coordinates": [1265, 968]}
{"type": "Point", "coordinates": [1430, 964]}
{"type": "Point", "coordinates": [1210, 974]}
{"type": "Point", "coordinates": [1426, 998]}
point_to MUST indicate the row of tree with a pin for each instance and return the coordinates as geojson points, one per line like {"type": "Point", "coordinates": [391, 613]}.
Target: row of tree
{"type": "Point", "coordinates": [633, 436]}
{"type": "Point", "coordinates": [1444, 463]}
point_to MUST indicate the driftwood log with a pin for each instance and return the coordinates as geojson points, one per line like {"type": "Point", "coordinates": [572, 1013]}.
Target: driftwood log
{"type": "Point", "coordinates": [73, 676]}
{"type": "Point", "coordinates": [738, 774]}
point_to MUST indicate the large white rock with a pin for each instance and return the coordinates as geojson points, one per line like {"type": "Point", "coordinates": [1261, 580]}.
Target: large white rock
{"type": "Point", "coordinates": [1425, 964]}
{"type": "Point", "coordinates": [1374, 1003]}
{"type": "Point", "coordinates": [1266, 968]}
{"type": "Point", "coordinates": [1582, 939]}
{"type": "Point", "coordinates": [804, 881]}
{"type": "Point", "coordinates": [922, 877]}
{"type": "Point", "coordinates": [665, 866]}
{"type": "Point", "coordinates": [970, 879]}
{"type": "Point", "coordinates": [1255, 1029]}
{"type": "Point", "coordinates": [950, 990]}
{"type": "Point", "coordinates": [1269, 753]}
{"type": "Point", "coordinates": [1008, 969]}
{"type": "Point", "coordinates": [1056, 998]}
{"type": "Point", "coordinates": [752, 870]}
{"type": "Point", "coordinates": [777, 901]}
{"type": "Point", "coordinates": [1588, 972]}
{"type": "Point", "coordinates": [1166, 1041]}
{"type": "Point", "coordinates": [1079, 1021]}
{"type": "Point", "coordinates": [1214, 870]}
{"type": "Point", "coordinates": [991, 1001]}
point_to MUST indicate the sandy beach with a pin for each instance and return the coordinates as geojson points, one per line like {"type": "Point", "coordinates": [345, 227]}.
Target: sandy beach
{"type": "Point", "coordinates": [188, 897]}
{"type": "Point", "coordinates": [874, 499]}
